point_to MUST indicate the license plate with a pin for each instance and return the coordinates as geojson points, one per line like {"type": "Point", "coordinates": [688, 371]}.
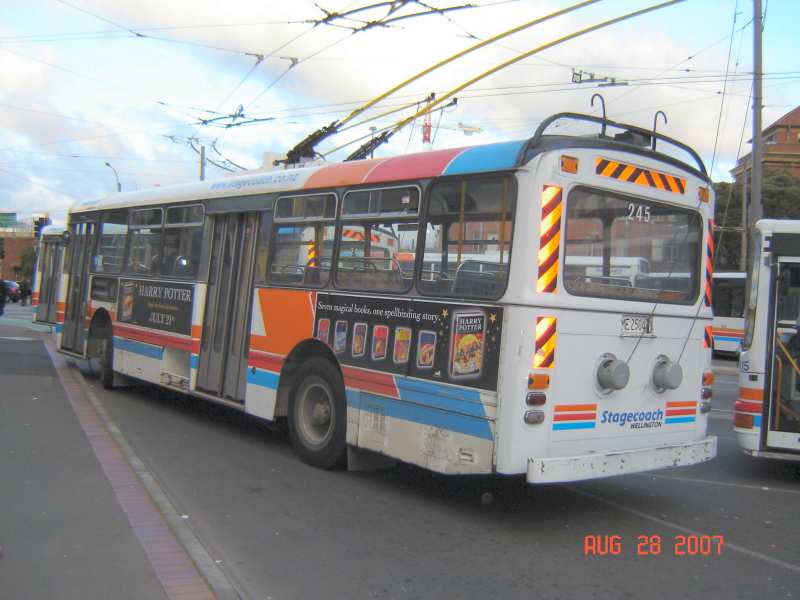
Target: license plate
{"type": "Point", "coordinates": [636, 325]}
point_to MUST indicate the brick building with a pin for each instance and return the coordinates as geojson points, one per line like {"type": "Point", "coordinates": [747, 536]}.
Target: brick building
{"type": "Point", "coordinates": [14, 243]}
{"type": "Point", "coordinates": [781, 147]}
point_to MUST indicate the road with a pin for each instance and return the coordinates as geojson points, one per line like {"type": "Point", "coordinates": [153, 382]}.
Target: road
{"type": "Point", "coordinates": [284, 530]}
{"type": "Point", "coordinates": [280, 529]}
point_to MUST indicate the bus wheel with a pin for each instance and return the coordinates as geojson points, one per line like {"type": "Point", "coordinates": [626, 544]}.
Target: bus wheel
{"type": "Point", "coordinates": [106, 347]}
{"type": "Point", "coordinates": [318, 415]}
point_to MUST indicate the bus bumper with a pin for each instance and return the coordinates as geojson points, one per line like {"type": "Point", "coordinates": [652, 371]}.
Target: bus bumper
{"type": "Point", "coordinates": [592, 466]}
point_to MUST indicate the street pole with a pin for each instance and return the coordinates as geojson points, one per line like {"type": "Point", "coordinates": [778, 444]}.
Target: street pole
{"type": "Point", "coordinates": [743, 249]}
{"type": "Point", "coordinates": [756, 209]}
{"type": "Point", "coordinates": [202, 162]}
{"type": "Point", "coordinates": [116, 176]}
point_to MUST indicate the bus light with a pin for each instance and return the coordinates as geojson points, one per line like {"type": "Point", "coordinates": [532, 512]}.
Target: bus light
{"type": "Point", "coordinates": [534, 417]}
{"type": "Point", "coordinates": [705, 407]}
{"type": "Point", "coordinates": [538, 382]}
{"type": "Point", "coordinates": [702, 194]}
{"type": "Point", "coordinates": [535, 399]}
{"type": "Point", "coordinates": [743, 420]}
{"type": "Point", "coordinates": [706, 393]}
{"type": "Point", "coordinates": [708, 378]}
{"type": "Point", "coordinates": [569, 164]}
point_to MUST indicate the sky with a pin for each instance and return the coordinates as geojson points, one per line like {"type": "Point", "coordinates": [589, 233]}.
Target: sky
{"type": "Point", "coordinates": [141, 84]}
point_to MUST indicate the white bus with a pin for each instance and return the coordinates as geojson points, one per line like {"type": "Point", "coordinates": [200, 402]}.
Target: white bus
{"type": "Point", "coordinates": [727, 294]}
{"type": "Point", "coordinates": [47, 294]}
{"type": "Point", "coordinates": [311, 294]}
{"type": "Point", "coordinates": [767, 413]}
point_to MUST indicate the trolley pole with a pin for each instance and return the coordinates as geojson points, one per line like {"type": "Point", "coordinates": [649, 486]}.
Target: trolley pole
{"type": "Point", "coordinates": [202, 162]}
{"type": "Point", "coordinates": [756, 208]}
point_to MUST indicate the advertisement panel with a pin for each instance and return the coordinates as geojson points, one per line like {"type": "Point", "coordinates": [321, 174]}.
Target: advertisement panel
{"type": "Point", "coordinates": [159, 305]}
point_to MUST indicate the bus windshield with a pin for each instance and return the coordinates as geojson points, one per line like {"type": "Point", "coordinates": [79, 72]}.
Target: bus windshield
{"type": "Point", "coordinates": [629, 248]}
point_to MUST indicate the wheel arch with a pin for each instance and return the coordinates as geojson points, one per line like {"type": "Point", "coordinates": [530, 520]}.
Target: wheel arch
{"type": "Point", "coordinates": [100, 329]}
{"type": "Point", "coordinates": [305, 350]}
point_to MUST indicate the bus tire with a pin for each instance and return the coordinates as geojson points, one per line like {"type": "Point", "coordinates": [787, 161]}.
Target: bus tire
{"type": "Point", "coordinates": [317, 418]}
{"type": "Point", "coordinates": [107, 363]}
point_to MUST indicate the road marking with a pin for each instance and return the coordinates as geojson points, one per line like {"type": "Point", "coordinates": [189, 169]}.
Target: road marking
{"type": "Point", "coordinates": [669, 524]}
{"type": "Point", "coordinates": [18, 339]}
{"type": "Point", "coordinates": [759, 488]}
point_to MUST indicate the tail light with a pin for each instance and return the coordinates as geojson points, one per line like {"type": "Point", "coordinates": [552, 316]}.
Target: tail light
{"type": "Point", "coordinates": [534, 417]}
{"type": "Point", "coordinates": [535, 399]}
{"type": "Point", "coordinates": [705, 393]}
{"type": "Point", "coordinates": [708, 378]}
{"type": "Point", "coordinates": [743, 420]}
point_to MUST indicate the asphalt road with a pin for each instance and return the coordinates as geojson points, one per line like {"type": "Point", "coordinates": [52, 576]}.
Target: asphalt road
{"type": "Point", "coordinates": [281, 529]}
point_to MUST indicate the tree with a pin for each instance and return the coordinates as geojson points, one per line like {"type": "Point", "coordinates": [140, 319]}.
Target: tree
{"type": "Point", "coordinates": [780, 197]}
{"type": "Point", "coordinates": [26, 259]}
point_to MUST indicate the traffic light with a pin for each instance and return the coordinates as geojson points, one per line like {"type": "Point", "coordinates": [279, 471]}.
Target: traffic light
{"type": "Point", "coordinates": [2, 248]}
{"type": "Point", "coordinates": [39, 224]}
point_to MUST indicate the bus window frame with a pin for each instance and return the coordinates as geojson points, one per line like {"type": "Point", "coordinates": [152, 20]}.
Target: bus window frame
{"type": "Point", "coordinates": [129, 243]}
{"type": "Point", "coordinates": [513, 190]}
{"type": "Point", "coordinates": [392, 216]}
{"type": "Point", "coordinates": [100, 222]}
{"type": "Point", "coordinates": [194, 224]}
{"type": "Point", "coordinates": [692, 299]}
{"type": "Point", "coordinates": [276, 222]}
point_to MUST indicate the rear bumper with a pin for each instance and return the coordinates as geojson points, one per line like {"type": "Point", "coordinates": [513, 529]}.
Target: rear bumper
{"type": "Point", "coordinates": [592, 466]}
{"type": "Point", "coordinates": [773, 455]}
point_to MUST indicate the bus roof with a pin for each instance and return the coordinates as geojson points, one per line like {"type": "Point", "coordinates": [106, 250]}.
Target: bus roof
{"type": "Point", "coordinates": [452, 161]}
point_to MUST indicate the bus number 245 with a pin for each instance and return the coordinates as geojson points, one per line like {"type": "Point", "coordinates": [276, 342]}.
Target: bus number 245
{"type": "Point", "coordinates": [638, 212]}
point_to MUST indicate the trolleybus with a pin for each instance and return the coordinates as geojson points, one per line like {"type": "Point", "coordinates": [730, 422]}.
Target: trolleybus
{"type": "Point", "coordinates": [47, 294]}
{"type": "Point", "coordinates": [727, 293]}
{"type": "Point", "coordinates": [427, 308]}
{"type": "Point", "coordinates": [767, 413]}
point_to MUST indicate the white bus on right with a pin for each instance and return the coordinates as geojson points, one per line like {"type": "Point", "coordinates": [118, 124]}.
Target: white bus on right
{"type": "Point", "coordinates": [767, 413]}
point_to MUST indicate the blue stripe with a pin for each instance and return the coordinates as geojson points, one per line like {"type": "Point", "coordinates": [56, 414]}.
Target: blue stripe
{"type": "Point", "coordinates": [439, 396]}
{"type": "Point", "coordinates": [492, 157]}
{"type": "Point", "coordinates": [266, 379]}
{"type": "Point", "coordinates": [59, 328]}
{"type": "Point", "coordinates": [756, 420]}
{"type": "Point", "coordinates": [195, 363]}
{"type": "Point", "coordinates": [672, 420]}
{"type": "Point", "coordinates": [562, 426]}
{"type": "Point", "coordinates": [727, 339]}
{"type": "Point", "coordinates": [424, 415]}
{"type": "Point", "coordinates": [147, 350]}
{"type": "Point", "coordinates": [35, 309]}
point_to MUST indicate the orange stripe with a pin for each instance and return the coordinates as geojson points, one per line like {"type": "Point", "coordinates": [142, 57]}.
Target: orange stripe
{"type": "Point", "coordinates": [751, 394]}
{"type": "Point", "coordinates": [575, 407]}
{"type": "Point", "coordinates": [681, 404]}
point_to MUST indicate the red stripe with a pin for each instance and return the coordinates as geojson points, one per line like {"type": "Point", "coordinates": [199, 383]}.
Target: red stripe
{"type": "Point", "coordinates": [574, 416]}
{"type": "Point", "coordinates": [264, 360]}
{"type": "Point", "coordinates": [412, 166]}
{"type": "Point", "coordinates": [151, 337]}
{"type": "Point", "coordinates": [370, 381]}
{"type": "Point", "coordinates": [748, 407]}
{"type": "Point", "coordinates": [676, 412]}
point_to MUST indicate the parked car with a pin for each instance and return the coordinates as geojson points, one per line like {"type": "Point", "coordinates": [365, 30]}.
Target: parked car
{"type": "Point", "coordinates": [12, 291]}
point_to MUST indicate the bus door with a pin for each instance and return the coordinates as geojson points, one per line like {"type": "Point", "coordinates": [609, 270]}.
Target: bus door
{"type": "Point", "coordinates": [49, 262]}
{"type": "Point", "coordinates": [226, 322]}
{"type": "Point", "coordinates": [783, 410]}
{"type": "Point", "coordinates": [82, 235]}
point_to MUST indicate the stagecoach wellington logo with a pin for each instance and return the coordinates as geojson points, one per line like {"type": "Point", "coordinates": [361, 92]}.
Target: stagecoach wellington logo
{"type": "Point", "coordinates": [585, 416]}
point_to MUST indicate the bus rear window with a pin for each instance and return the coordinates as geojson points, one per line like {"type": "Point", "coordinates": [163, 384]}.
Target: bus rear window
{"type": "Point", "coordinates": [629, 248]}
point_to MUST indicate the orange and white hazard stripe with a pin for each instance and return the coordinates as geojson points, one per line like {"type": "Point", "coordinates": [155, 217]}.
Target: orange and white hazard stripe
{"type": "Point", "coordinates": [549, 239]}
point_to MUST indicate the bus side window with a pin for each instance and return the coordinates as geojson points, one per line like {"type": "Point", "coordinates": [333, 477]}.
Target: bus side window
{"type": "Point", "coordinates": [468, 237]}
{"type": "Point", "coordinates": [183, 236]}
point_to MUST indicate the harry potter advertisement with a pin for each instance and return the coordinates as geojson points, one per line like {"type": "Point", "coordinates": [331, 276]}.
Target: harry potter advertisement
{"type": "Point", "coordinates": [432, 340]}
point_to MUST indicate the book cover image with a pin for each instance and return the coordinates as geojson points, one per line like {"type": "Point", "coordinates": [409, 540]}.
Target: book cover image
{"type": "Point", "coordinates": [324, 330]}
{"type": "Point", "coordinates": [426, 349]}
{"type": "Point", "coordinates": [380, 340]}
{"type": "Point", "coordinates": [340, 337]}
{"type": "Point", "coordinates": [402, 345]}
{"type": "Point", "coordinates": [466, 345]}
{"type": "Point", "coordinates": [358, 346]}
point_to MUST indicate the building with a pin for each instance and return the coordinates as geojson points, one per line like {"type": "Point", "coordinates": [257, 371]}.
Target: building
{"type": "Point", "coordinates": [780, 149]}
{"type": "Point", "coordinates": [16, 235]}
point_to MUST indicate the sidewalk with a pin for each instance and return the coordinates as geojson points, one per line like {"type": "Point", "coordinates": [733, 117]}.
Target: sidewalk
{"type": "Point", "coordinates": [69, 501]}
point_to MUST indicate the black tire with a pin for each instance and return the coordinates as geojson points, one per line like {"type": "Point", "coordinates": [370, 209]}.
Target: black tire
{"type": "Point", "coordinates": [317, 419]}
{"type": "Point", "coordinates": [107, 363]}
